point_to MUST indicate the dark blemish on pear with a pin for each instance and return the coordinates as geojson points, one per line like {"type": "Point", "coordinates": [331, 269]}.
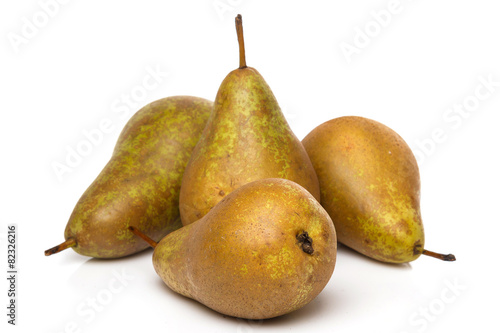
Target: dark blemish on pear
{"type": "Point", "coordinates": [305, 242]}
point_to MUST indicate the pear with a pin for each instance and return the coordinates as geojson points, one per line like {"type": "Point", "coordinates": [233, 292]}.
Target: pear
{"type": "Point", "coordinates": [266, 249]}
{"type": "Point", "coordinates": [140, 184]}
{"type": "Point", "coordinates": [370, 186]}
{"type": "Point", "coordinates": [246, 138]}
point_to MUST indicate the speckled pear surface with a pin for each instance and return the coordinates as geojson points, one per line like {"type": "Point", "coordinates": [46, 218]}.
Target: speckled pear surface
{"type": "Point", "coordinates": [247, 138]}
{"type": "Point", "coordinates": [266, 249]}
{"type": "Point", "coordinates": [370, 186]}
{"type": "Point", "coordinates": [140, 184]}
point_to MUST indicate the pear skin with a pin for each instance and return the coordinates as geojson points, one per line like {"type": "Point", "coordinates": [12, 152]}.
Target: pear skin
{"type": "Point", "coordinates": [140, 184]}
{"type": "Point", "coordinates": [370, 187]}
{"type": "Point", "coordinates": [246, 138]}
{"type": "Point", "coordinates": [266, 249]}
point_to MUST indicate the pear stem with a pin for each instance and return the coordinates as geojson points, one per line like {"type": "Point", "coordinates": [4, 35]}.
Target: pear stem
{"type": "Point", "coordinates": [445, 257]}
{"type": "Point", "coordinates": [241, 41]}
{"type": "Point", "coordinates": [139, 233]}
{"type": "Point", "coordinates": [70, 242]}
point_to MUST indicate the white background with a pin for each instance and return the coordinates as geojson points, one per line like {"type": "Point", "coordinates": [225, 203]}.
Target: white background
{"type": "Point", "coordinates": [70, 74]}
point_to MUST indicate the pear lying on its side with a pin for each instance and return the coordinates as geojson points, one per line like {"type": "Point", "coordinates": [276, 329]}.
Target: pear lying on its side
{"type": "Point", "coordinates": [140, 184]}
{"type": "Point", "coordinates": [266, 249]}
{"type": "Point", "coordinates": [370, 186]}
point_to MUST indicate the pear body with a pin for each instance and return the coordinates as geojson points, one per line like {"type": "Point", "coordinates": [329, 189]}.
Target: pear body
{"type": "Point", "coordinates": [246, 257]}
{"type": "Point", "coordinates": [370, 186]}
{"type": "Point", "coordinates": [140, 184]}
{"type": "Point", "coordinates": [246, 138]}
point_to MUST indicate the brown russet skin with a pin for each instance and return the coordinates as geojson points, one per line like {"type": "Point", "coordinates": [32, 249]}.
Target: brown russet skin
{"type": "Point", "coordinates": [266, 249]}
{"type": "Point", "coordinates": [140, 184]}
{"type": "Point", "coordinates": [370, 186]}
{"type": "Point", "coordinates": [246, 138]}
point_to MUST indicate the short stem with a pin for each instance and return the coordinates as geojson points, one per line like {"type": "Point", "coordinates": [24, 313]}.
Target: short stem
{"type": "Point", "coordinates": [70, 242]}
{"type": "Point", "coordinates": [241, 41]}
{"type": "Point", "coordinates": [445, 257]}
{"type": "Point", "coordinates": [139, 233]}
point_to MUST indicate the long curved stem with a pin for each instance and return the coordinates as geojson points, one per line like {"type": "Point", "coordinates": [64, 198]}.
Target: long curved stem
{"type": "Point", "coordinates": [241, 41]}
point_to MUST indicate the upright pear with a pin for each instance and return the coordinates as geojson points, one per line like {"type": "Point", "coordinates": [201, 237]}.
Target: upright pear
{"type": "Point", "coordinates": [140, 184]}
{"type": "Point", "coordinates": [266, 249]}
{"type": "Point", "coordinates": [370, 186]}
{"type": "Point", "coordinates": [246, 138]}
